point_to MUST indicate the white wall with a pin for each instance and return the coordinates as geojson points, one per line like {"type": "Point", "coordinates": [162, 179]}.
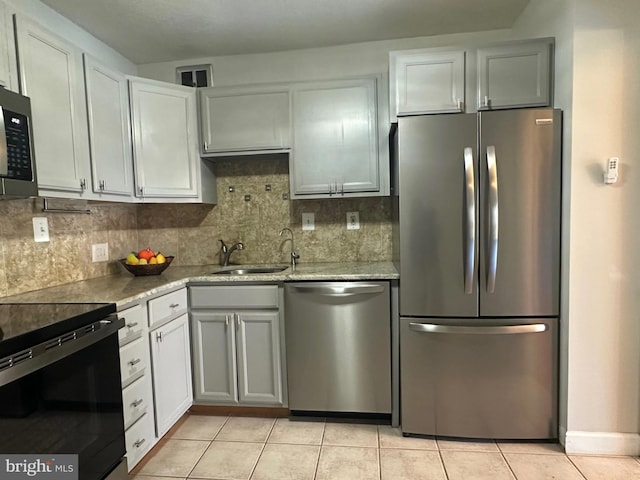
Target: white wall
{"type": "Point", "coordinates": [64, 27]}
{"type": "Point", "coordinates": [313, 64]}
{"type": "Point", "coordinates": [601, 279]}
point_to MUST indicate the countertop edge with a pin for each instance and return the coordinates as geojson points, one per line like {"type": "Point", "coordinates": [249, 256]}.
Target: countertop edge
{"type": "Point", "coordinates": [126, 290]}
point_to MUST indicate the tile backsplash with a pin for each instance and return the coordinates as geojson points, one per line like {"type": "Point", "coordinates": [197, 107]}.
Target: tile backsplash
{"type": "Point", "coordinates": [253, 206]}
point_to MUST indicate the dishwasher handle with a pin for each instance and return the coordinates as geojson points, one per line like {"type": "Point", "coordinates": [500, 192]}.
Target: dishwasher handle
{"type": "Point", "coordinates": [339, 289]}
{"type": "Point", "coordinates": [479, 330]}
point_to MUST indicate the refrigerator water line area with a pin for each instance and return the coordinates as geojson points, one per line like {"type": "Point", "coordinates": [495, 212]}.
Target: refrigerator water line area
{"type": "Point", "coordinates": [479, 258]}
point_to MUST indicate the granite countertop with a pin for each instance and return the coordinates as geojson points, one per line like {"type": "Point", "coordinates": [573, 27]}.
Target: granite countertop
{"type": "Point", "coordinates": [124, 288]}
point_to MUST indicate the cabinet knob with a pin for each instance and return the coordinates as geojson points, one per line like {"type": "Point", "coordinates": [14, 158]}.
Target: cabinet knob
{"type": "Point", "coordinates": [132, 324]}
{"type": "Point", "coordinates": [174, 305]}
{"type": "Point", "coordinates": [135, 361]}
{"type": "Point", "coordinates": [138, 443]}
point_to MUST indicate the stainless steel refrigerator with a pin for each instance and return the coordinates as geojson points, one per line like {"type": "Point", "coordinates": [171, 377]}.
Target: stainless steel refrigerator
{"type": "Point", "coordinates": [479, 201]}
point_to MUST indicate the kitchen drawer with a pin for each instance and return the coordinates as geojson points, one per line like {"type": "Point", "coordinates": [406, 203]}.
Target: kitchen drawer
{"type": "Point", "coordinates": [135, 400]}
{"type": "Point", "coordinates": [139, 439]}
{"type": "Point", "coordinates": [166, 307]}
{"type": "Point", "coordinates": [134, 321]}
{"type": "Point", "coordinates": [246, 296]}
{"type": "Point", "coordinates": [132, 361]}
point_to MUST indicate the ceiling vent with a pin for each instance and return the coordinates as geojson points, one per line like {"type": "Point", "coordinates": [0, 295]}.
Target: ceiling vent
{"type": "Point", "coordinates": [195, 75]}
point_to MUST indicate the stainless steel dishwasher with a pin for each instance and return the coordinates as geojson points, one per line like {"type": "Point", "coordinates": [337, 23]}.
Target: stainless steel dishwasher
{"type": "Point", "coordinates": [338, 346]}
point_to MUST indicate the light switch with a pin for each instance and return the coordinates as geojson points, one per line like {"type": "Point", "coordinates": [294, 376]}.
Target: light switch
{"type": "Point", "coordinates": [308, 221]}
{"type": "Point", "coordinates": [353, 220]}
{"type": "Point", "coordinates": [40, 229]}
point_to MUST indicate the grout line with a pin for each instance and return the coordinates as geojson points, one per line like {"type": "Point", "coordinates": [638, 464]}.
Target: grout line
{"type": "Point", "coordinates": [315, 471]}
{"type": "Point", "coordinates": [506, 462]}
{"type": "Point", "coordinates": [576, 467]}
{"type": "Point", "coordinates": [378, 451]}
{"type": "Point", "coordinates": [264, 445]}
{"type": "Point", "coordinates": [442, 464]}
{"type": "Point", "coordinates": [206, 449]}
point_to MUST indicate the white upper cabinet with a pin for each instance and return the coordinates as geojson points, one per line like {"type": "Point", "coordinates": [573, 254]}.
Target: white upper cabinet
{"type": "Point", "coordinates": [109, 130]}
{"type": "Point", "coordinates": [427, 81]}
{"type": "Point", "coordinates": [164, 129]}
{"type": "Point", "coordinates": [514, 75]}
{"type": "Point", "coordinates": [335, 139]}
{"type": "Point", "coordinates": [249, 119]}
{"type": "Point", "coordinates": [51, 75]}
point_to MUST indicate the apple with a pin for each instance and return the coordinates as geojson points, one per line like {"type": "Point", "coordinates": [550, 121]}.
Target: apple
{"type": "Point", "coordinates": [146, 254]}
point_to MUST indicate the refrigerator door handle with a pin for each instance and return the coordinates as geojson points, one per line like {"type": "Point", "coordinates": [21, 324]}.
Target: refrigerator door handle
{"type": "Point", "coordinates": [494, 330]}
{"type": "Point", "coordinates": [470, 221]}
{"type": "Point", "coordinates": [492, 264]}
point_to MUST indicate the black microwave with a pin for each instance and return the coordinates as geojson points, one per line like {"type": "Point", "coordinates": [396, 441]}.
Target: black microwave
{"type": "Point", "coordinates": [17, 162]}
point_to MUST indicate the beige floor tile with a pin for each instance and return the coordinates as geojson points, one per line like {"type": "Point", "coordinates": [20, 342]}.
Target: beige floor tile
{"type": "Point", "coordinates": [287, 462]}
{"type": "Point", "coordinates": [468, 445]}
{"type": "Point", "coordinates": [297, 432]}
{"type": "Point", "coordinates": [398, 464]}
{"type": "Point", "coordinates": [228, 461]}
{"type": "Point", "coordinates": [348, 463]}
{"type": "Point", "coordinates": [607, 468]}
{"type": "Point", "coordinates": [532, 466]}
{"type": "Point", "coordinates": [391, 437]}
{"type": "Point", "coordinates": [200, 427]}
{"type": "Point", "coordinates": [246, 429]}
{"type": "Point", "coordinates": [531, 447]}
{"type": "Point", "coordinates": [350, 434]}
{"type": "Point", "coordinates": [475, 465]}
{"type": "Point", "coordinates": [175, 458]}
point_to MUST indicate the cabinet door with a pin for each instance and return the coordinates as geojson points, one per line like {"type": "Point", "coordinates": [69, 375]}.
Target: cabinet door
{"type": "Point", "coordinates": [109, 129]}
{"type": "Point", "coordinates": [51, 75]}
{"type": "Point", "coordinates": [259, 379]}
{"type": "Point", "coordinates": [164, 139]}
{"type": "Point", "coordinates": [424, 81]}
{"type": "Point", "coordinates": [245, 119]}
{"type": "Point", "coordinates": [214, 353]}
{"type": "Point", "coordinates": [171, 359]}
{"type": "Point", "coordinates": [335, 147]}
{"type": "Point", "coordinates": [516, 75]}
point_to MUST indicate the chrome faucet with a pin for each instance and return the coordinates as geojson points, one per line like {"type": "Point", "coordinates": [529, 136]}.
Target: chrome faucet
{"type": "Point", "coordinates": [294, 255]}
{"type": "Point", "coordinates": [225, 252]}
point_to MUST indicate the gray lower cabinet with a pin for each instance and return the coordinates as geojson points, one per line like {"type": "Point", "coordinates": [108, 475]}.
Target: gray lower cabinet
{"type": "Point", "coordinates": [236, 348]}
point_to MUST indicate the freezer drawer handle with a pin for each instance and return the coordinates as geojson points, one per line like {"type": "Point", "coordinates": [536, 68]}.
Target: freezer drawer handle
{"type": "Point", "coordinates": [496, 330]}
{"type": "Point", "coordinates": [492, 266]}
{"type": "Point", "coordinates": [339, 289]}
{"type": "Point", "coordinates": [470, 221]}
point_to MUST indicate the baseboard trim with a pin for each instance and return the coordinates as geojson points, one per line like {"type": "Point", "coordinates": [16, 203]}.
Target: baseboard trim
{"type": "Point", "coordinates": [239, 411]}
{"type": "Point", "coordinates": [602, 443]}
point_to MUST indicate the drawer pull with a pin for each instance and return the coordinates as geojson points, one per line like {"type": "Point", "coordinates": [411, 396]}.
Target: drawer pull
{"type": "Point", "coordinates": [174, 305]}
{"type": "Point", "coordinates": [135, 361]}
{"type": "Point", "coordinates": [138, 443]}
{"type": "Point", "coordinates": [159, 336]}
{"type": "Point", "coordinates": [132, 324]}
{"type": "Point", "coordinates": [135, 403]}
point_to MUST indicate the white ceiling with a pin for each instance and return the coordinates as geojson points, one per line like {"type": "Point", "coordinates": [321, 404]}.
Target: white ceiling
{"type": "Point", "coordinates": [148, 31]}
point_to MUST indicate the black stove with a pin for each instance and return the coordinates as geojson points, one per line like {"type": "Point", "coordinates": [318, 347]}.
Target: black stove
{"type": "Point", "coordinates": [60, 387]}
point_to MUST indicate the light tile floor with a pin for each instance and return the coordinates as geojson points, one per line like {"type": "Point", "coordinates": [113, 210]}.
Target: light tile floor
{"type": "Point", "coordinates": [243, 448]}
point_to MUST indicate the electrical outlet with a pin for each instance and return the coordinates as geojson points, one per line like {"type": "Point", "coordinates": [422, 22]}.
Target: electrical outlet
{"type": "Point", "coordinates": [308, 221]}
{"type": "Point", "coordinates": [100, 252]}
{"type": "Point", "coordinates": [40, 229]}
{"type": "Point", "coordinates": [353, 220]}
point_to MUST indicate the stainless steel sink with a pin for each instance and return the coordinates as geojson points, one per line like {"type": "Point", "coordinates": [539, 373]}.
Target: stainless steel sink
{"type": "Point", "coordinates": [249, 270]}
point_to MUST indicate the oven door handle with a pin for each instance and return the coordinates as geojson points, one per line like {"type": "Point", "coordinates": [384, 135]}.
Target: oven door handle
{"type": "Point", "coordinates": [39, 356]}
